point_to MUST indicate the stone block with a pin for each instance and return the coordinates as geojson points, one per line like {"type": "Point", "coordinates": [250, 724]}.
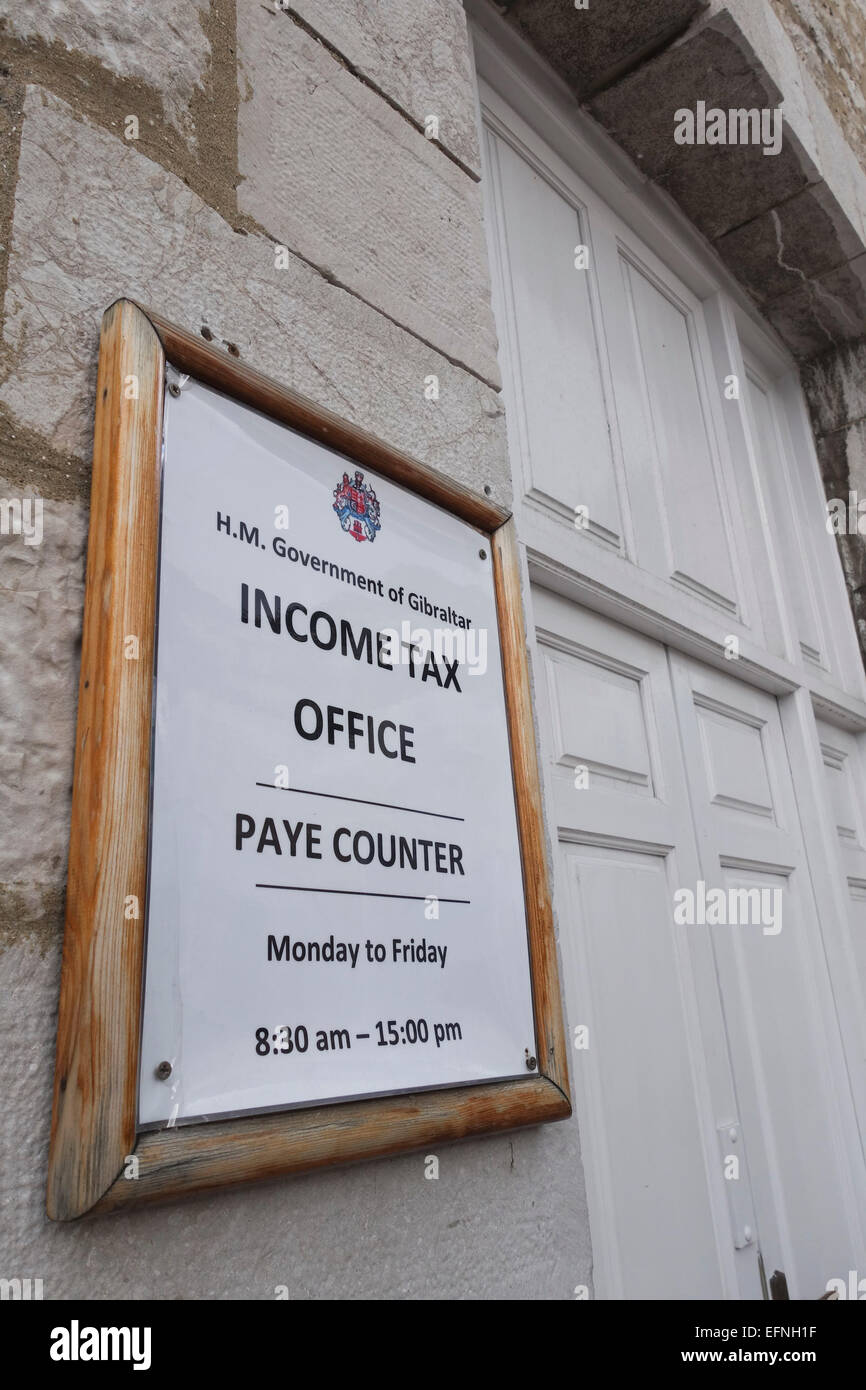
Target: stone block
{"type": "Point", "coordinates": [416, 52]}
{"type": "Point", "coordinates": [590, 47]}
{"type": "Point", "coordinates": [824, 311]}
{"type": "Point", "coordinates": [95, 220]}
{"type": "Point", "coordinates": [330, 170]}
{"type": "Point", "coordinates": [162, 43]}
{"type": "Point", "coordinates": [803, 237]}
{"type": "Point", "coordinates": [718, 186]}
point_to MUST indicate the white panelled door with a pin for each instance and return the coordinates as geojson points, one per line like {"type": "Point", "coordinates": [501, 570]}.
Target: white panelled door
{"type": "Point", "coordinates": [650, 1097]}
{"type": "Point", "coordinates": [704, 1040]}
{"type": "Point", "coordinates": [702, 711]}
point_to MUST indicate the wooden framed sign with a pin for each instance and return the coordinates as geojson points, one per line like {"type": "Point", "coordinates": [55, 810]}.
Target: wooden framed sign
{"type": "Point", "coordinates": [308, 916]}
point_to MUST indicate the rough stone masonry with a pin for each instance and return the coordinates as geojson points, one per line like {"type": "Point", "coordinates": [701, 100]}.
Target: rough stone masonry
{"type": "Point", "coordinates": [240, 110]}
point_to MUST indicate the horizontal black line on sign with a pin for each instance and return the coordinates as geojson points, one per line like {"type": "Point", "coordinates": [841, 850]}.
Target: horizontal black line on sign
{"type": "Point", "coordinates": [359, 800]}
{"type": "Point", "coordinates": [359, 893]}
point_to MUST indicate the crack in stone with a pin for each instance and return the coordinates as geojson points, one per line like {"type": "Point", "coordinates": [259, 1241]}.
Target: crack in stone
{"type": "Point", "coordinates": [813, 288]}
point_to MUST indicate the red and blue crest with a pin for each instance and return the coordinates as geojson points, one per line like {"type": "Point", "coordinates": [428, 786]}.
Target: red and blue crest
{"type": "Point", "coordinates": [357, 506]}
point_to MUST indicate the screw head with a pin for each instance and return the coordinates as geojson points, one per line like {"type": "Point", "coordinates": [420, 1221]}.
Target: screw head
{"type": "Point", "coordinates": [531, 1063]}
{"type": "Point", "coordinates": [482, 554]}
{"type": "Point", "coordinates": [163, 1071]}
{"type": "Point", "coordinates": [173, 388]}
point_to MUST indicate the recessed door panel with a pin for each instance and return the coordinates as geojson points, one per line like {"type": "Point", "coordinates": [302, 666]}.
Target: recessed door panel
{"type": "Point", "coordinates": [691, 510]}
{"type": "Point", "coordinates": [557, 403]}
{"type": "Point", "coordinates": [782, 1030]}
{"type": "Point", "coordinates": [642, 1109]}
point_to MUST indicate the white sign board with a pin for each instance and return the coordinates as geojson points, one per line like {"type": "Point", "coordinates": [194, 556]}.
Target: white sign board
{"type": "Point", "coordinates": [335, 903]}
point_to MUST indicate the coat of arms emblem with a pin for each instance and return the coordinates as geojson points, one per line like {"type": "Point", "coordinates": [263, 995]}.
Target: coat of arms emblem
{"type": "Point", "coordinates": [357, 506]}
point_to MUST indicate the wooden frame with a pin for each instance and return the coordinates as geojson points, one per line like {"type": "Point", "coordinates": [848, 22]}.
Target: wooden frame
{"type": "Point", "coordinates": [96, 1079]}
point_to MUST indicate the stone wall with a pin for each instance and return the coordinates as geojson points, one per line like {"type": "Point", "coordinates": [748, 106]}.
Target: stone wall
{"type": "Point", "coordinates": [835, 385]}
{"type": "Point", "coordinates": [830, 39]}
{"type": "Point", "coordinates": [258, 126]}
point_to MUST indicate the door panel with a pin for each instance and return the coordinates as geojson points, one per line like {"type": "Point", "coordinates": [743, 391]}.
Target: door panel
{"type": "Point", "coordinates": [844, 762]}
{"type": "Point", "coordinates": [643, 1125]}
{"type": "Point", "coordinates": [776, 994]}
{"type": "Point", "coordinates": [652, 1098]}
{"type": "Point", "coordinates": [696, 555]}
{"type": "Point", "coordinates": [564, 434]}
{"type": "Point", "coordinates": [779, 500]}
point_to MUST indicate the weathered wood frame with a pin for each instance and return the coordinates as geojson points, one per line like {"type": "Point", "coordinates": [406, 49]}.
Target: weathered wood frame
{"type": "Point", "coordinates": [96, 1077]}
